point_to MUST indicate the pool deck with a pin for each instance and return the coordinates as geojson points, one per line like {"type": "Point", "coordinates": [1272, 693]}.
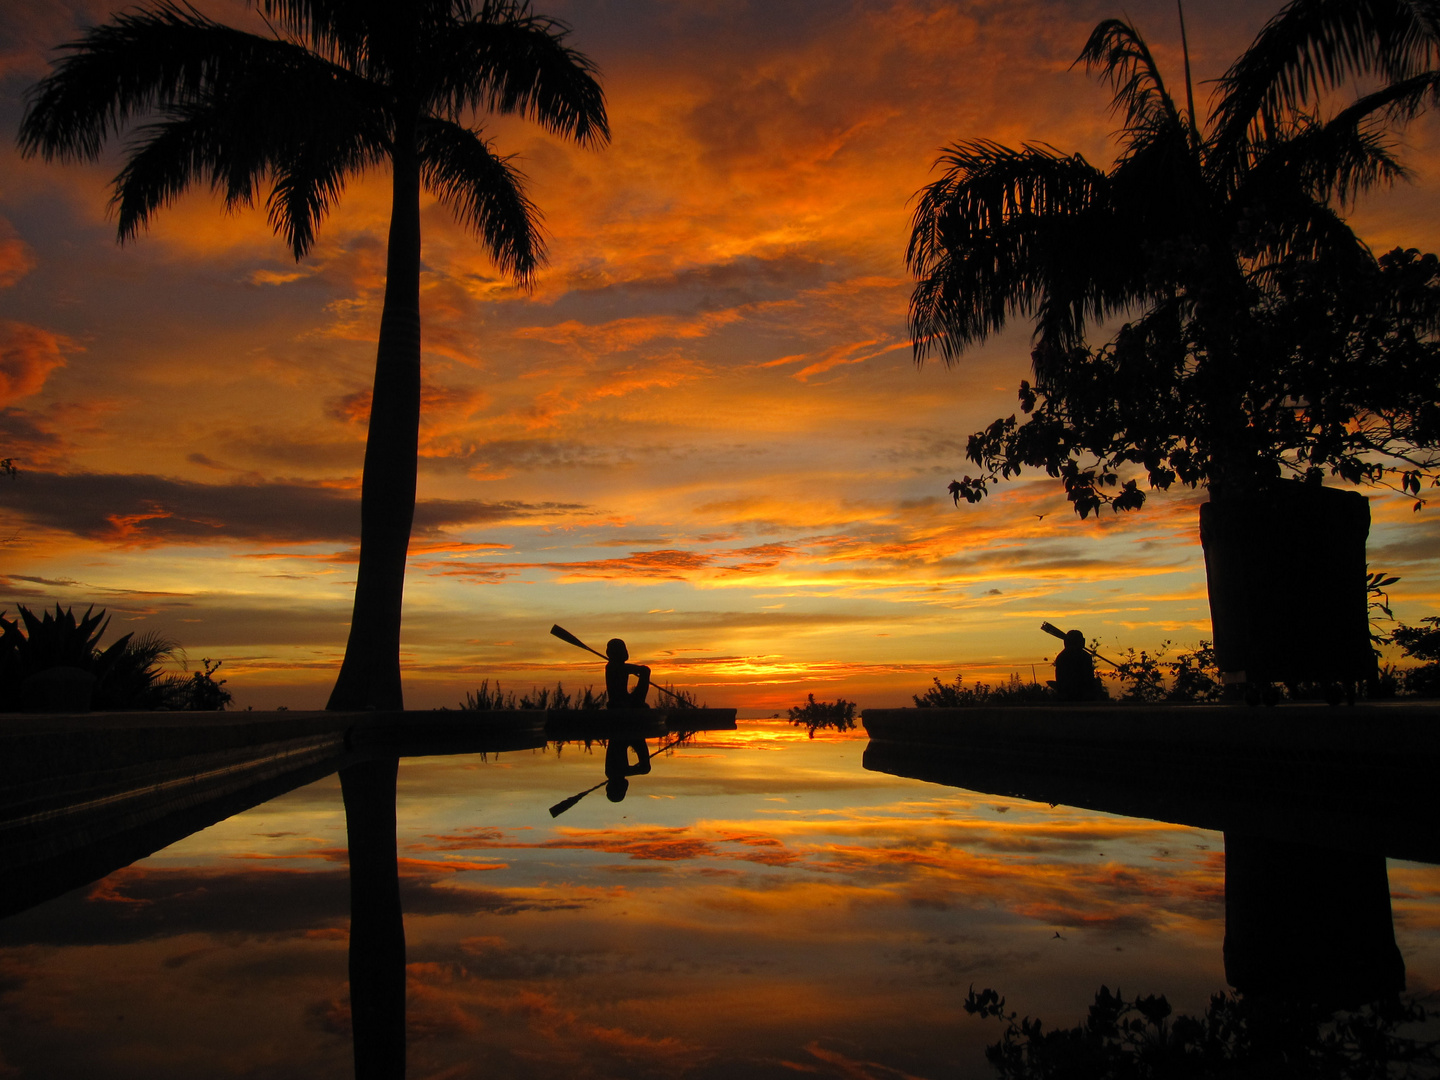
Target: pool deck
{"type": "Point", "coordinates": [1359, 777]}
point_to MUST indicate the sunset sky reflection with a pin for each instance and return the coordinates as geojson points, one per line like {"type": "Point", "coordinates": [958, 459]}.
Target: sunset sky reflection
{"type": "Point", "coordinates": [758, 903]}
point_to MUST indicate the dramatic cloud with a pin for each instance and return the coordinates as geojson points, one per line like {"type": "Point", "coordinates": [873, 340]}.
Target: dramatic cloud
{"type": "Point", "coordinates": [138, 510]}
{"type": "Point", "coordinates": [715, 362]}
{"type": "Point", "coordinates": [27, 355]}
{"type": "Point", "coordinates": [16, 257]}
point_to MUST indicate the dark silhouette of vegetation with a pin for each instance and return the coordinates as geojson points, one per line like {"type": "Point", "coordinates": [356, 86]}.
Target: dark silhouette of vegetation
{"type": "Point", "coordinates": [1238, 1036]}
{"type": "Point", "coordinates": [337, 89]}
{"type": "Point", "coordinates": [128, 674]}
{"type": "Point", "coordinates": [823, 715]}
{"type": "Point", "coordinates": [678, 699]}
{"type": "Point", "coordinates": [202, 691]}
{"type": "Point", "coordinates": [1142, 678]}
{"type": "Point", "coordinates": [1269, 340]}
{"type": "Point", "coordinates": [1146, 678]}
{"type": "Point", "coordinates": [955, 696]}
{"type": "Point", "coordinates": [542, 697]}
{"type": "Point", "coordinates": [485, 699]}
{"type": "Point", "coordinates": [1378, 600]}
{"type": "Point", "coordinates": [1421, 643]}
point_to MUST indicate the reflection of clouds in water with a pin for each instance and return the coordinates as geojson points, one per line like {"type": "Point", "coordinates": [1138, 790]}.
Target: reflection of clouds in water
{"type": "Point", "coordinates": [711, 937]}
{"type": "Point", "coordinates": [1051, 872]}
{"type": "Point", "coordinates": [139, 903]}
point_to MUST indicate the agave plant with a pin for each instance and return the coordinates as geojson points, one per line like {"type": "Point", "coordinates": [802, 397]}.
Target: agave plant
{"type": "Point", "coordinates": [51, 641]}
{"type": "Point", "coordinates": [129, 673]}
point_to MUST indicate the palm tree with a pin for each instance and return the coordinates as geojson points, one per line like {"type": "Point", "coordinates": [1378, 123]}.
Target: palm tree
{"type": "Point", "coordinates": [1262, 334]}
{"type": "Point", "coordinates": [341, 86]}
{"type": "Point", "coordinates": [1191, 228]}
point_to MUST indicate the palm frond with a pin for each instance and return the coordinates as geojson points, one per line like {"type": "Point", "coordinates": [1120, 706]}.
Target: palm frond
{"type": "Point", "coordinates": [507, 60]}
{"type": "Point", "coordinates": [1002, 233]}
{"type": "Point", "coordinates": [1306, 231]}
{"type": "Point", "coordinates": [1353, 152]}
{"type": "Point", "coordinates": [1314, 45]}
{"type": "Point", "coordinates": [1119, 54]}
{"type": "Point", "coordinates": [1336, 160]}
{"type": "Point", "coordinates": [338, 29]}
{"type": "Point", "coordinates": [308, 181]}
{"type": "Point", "coordinates": [127, 67]}
{"type": "Point", "coordinates": [253, 134]}
{"type": "Point", "coordinates": [485, 192]}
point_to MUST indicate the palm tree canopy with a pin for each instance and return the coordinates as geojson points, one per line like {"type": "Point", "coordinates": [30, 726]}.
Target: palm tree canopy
{"type": "Point", "coordinates": [339, 86]}
{"type": "Point", "coordinates": [1312, 46]}
{"type": "Point", "coordinates": [375, 78]}
{"type": "Point", "coordinates": [1038, 233]}
{"type": "Point", "coordinates": [1262, 335]}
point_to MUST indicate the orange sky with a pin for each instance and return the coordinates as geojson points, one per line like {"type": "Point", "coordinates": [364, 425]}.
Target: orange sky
{"type": "Point", "coordinates": [702, 431]}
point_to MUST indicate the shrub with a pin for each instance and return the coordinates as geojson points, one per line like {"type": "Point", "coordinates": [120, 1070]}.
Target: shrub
{"type": "Point", "coordinates": [678, 699]}
{"type": "Point", "coordinates": [1142, 677]}
{"type": "Point", "coordinates": [1139, 676]}
{"type": "Point", "coordinates": [1194, 675]}
{"type": "Point", "coordinates": [815, 715]}
{"type": "Point", "coordinates": [955, 696]}
{"type": "Point", "coordinates": [1421, 643]}
{"type": "Point", "coordinates": [539, 697]}
{"type": "Point", "coordinates": [202, 692]}
{"type": "Point", "coordinates": [485, 700]}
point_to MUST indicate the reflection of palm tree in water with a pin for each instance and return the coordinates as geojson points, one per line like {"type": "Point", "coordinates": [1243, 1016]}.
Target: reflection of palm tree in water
{"type": "Point", "coordinates": [377, 925]}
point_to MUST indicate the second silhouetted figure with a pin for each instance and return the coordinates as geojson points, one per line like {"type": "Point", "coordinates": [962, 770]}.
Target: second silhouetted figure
{"type": "Point", "coordinates": [1075, 670]}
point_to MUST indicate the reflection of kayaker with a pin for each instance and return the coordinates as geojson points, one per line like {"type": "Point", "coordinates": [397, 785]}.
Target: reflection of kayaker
{"type": "Point", "coordinates": [618, 768]}
{"type": "Point", "coordinates": [617, 678]}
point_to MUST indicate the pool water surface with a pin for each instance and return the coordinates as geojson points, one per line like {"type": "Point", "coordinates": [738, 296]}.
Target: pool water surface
{"type": "Point", "coordinates": [758, 905]}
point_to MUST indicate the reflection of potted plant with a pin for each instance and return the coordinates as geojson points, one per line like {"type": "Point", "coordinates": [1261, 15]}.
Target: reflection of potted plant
{"type": "Point", "coordinates": [1265, 340]}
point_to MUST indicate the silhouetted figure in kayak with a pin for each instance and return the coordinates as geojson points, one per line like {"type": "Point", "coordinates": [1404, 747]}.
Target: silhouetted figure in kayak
{"type": "Point", "coordinates": [617, 678]}
{"type": "Point", "coordinates": [618, 769]}
{"type": "Point", "coordinates": [1075, 670]}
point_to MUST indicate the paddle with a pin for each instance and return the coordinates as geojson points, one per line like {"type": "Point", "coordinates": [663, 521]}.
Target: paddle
{"type": "Point", "coordinates": [565, 635]}
{"type": "Point", "coordinates": [1055, 631]}
{"type": "Point", "coordinates": [565, 804]}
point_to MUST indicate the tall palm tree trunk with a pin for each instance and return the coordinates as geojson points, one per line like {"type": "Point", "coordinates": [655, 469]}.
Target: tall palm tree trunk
{"type": "Point", "coordinates": [370, 675]}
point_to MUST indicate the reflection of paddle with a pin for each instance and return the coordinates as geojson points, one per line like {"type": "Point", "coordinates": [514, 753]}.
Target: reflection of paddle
{"type": "Point", "coordinates": [565, 804]}
{"type": "Point", "coordinates": [565, 635]}
{"type": "Point", "coordinates": [1055, 631]}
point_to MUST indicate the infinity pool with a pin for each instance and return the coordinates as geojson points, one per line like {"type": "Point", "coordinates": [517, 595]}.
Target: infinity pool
{"type": "Point", "coordinates": [758, 905]}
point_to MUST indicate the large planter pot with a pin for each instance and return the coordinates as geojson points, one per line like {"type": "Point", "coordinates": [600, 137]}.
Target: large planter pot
{"type": "Point", "coordinates": [1286, 571]}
